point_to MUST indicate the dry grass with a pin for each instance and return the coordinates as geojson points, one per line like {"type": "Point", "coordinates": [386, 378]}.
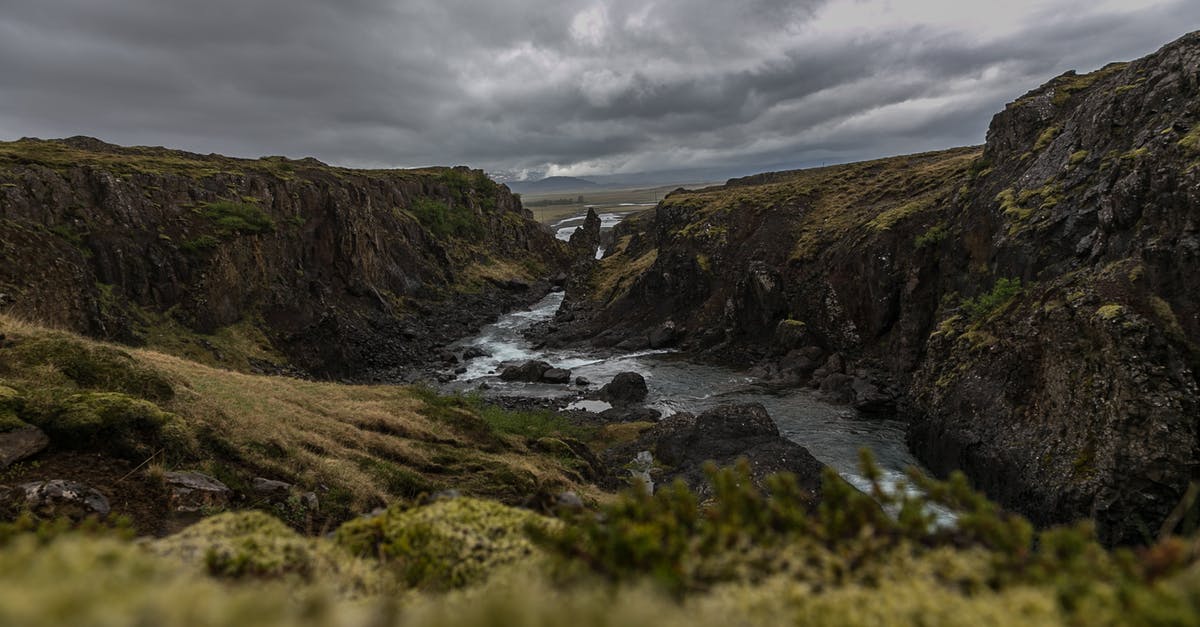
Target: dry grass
{"type": "Point", "coordinates": [822, 205]}
{"type": "Point", "coordinates": [358, 446]}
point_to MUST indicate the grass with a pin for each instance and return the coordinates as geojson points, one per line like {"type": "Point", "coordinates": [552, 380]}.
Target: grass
{"type": "Point", "coordinates": [1046, 137]}
{"type": "Point", "coordinates": [1067, 86]}
{"type": "Point", "coordinates": [364, 445]}
{"type": "Point", "coordinates": [1191, 141]}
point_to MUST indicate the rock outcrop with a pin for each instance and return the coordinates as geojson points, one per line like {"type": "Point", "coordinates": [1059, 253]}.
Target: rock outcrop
{"type": "Point", "coordinates": [683, 443]}
{"type": "Point", "coordinates": [1029, 306]}
{"type": "Point", "coordinates": [264, 264]}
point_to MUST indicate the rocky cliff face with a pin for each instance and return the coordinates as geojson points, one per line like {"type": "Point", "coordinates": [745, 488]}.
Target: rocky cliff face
{"type": "Point", "coordinates": [1031, 305]}
{"type": "Point", "coordinates": [260, 263]}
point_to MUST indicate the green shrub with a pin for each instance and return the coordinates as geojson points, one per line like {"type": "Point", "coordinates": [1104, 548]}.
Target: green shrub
{"type": "Point", "coordinates": [238, 217]}
{"type": "Point", "coordinates": [933, 236]}
{"type": "Point", "coordinates": [201, 244]}
{"type": "Point", "coordinates": [457, 219]}
{"type": "Point", "coordinates": [983, 305]}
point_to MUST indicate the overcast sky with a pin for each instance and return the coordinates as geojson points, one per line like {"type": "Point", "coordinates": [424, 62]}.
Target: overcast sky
{"type": "Point", "coordinates": [529, 88]}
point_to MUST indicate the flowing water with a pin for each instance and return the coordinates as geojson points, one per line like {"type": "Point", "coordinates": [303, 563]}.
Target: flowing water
{"type": "Point", "coordinates": [833, 434]}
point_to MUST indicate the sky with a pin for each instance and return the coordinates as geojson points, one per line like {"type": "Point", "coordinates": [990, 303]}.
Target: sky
{"type": "Point", "coordinates": [528, 89]}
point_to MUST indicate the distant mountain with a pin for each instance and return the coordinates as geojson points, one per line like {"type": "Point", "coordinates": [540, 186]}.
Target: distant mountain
{"type": "Point", "coordinates": [552, 184]}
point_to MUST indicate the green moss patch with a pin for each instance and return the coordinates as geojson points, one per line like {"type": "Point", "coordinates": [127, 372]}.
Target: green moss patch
{"type": "Point", "coordinates": [85, 366]}
{"type": "Point", "coordinates": [240, 218]}
{"type": "Point", "coordinates": [254, 545]}
{"type": "Point", "coordinates": [110, 422]}
{"type": "Point", "coordinates": [447, 544]}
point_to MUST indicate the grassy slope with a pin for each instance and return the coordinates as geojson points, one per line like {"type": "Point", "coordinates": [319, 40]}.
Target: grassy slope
{"type": "Point", "coordinates": [817, 207]}
{"type": "Point", "coordinates": [357, 446]}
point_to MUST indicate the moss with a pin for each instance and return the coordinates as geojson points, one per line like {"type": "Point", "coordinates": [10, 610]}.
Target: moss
{"type": "Point", "coordinates": [1135, 154]}
{"type": "Point", "coordinates": [886, 220]}
{"type": "Point", "coordinates": [1166, 314]}
{"type": "Point", "coordinates": [448, 544]}
{"type": "Point", "coordinates": [1110, 312]}
{"type": "Point", "coordinates": [1070, 84]}
{"type": "Point", "coordinates": [255, 545]}
{"type": "Point", "coordinates": [105, 421]}
{"type": "Point", "coordinates": [1078, 157]}
{"type": "Point", "coordinates": [11, 403]}
{"type": "Point", "coordinates": [95, 367]}
{"type": "Point", "coordinates": [1191, 141]}
{"type": "Point", "coordinates": [1046, 137]}
{"type": "Point", "coordinates": [979, 340]}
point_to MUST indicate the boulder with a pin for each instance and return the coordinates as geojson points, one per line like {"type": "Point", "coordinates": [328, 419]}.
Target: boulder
{"type": "Point", "coordinates": [627, 388]}
{"type": "Point", "coordinates": [582, 382]}
{"type": "Point", "coordinates": [838, 388]}
{"type": "Point", "coordinates": [474, 352]}
{"type": "Point", "coordinates": [270, 486]}
{"type": "Point", "coordinates": [683, 443]}
{"type": "Point", "coordinates": [789, 335]}
{"type": "Point", "coordinates": [530, 372]}
{"type": "Point", "coordinates": [21, 443]}
{"type": "Point", "coordinates": [58, 498]}
{"type": "Point", "coordinates": [195, 492]}
{"type": "Point", "coordinates": [664, 336]}
{"type": "Point", "coordinates": [869, 399]}
{"type": "Point", "coordinates": [556, 375]}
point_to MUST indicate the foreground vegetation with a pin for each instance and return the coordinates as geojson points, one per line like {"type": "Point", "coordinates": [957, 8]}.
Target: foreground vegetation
{"type": "Point", "coordinates": [657, 559]}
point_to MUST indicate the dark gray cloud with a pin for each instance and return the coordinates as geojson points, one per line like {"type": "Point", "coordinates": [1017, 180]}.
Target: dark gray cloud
{"type": "Point", "coordinates": [518, 86]}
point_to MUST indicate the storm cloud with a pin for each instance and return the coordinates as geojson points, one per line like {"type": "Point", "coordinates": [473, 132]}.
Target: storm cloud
{"type": "Point", "coordinates": [524, 88]}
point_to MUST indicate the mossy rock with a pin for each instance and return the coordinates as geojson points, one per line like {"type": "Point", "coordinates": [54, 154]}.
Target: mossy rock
{"type": "Point", "coordinates": [447, 544]}
{"type": "Point", "coordinates": [110, 422]}
{"type": "Point", "coordinates": [253, 544]}
{"type": "Point", "coordinates": [94, 367]}
{"type": "Point", "coordinates": [11, 404]}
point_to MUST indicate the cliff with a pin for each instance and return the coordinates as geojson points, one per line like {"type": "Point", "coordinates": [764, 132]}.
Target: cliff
{"type": "Point", "coordinates": [1030, 307]}
{"type": "Point", "coordinates": [265, 264]}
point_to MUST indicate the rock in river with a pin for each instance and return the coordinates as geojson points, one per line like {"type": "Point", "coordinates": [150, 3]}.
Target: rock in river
{"type": "Point", "coordinates": [627, 388]}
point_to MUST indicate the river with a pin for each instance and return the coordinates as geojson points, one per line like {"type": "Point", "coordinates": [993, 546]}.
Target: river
{"type": "Point", "coordinates": [833, 434]}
